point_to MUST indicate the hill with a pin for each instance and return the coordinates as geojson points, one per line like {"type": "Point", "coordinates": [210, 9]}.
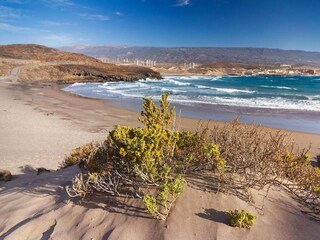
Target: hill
{"type": "Point", "coordinates": [40, 63]}
{"type": "Point", "coordinates": [201, 55]}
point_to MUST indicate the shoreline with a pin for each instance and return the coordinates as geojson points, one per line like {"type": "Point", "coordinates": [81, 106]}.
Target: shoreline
{"type": "Point", "coordinates": [302, 115]}
{"type": "Point", "coordinates": [100, 115]}
{"type": "Point", "coordinates": [43, 123]}
{"type": "Point", "coordinates": [302, 139]}
{"type": "Point", "coordinates": [105, 115]}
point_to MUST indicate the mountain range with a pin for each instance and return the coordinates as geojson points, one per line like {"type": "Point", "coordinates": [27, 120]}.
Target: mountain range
{"type": "Point", "coordinates": [200, 55]}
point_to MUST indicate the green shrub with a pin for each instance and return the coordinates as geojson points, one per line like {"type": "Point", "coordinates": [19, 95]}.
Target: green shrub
{"type": "Point", "coordinates": [159, 206]}
{"type": "Point", "coordinates": [141, 157]}
{"type": "Point", "coordinates": [241, 219]}
{"type": "Point", "coordinates": [79, 154]}
{"type": "Point", "coordinates": [154, 159]}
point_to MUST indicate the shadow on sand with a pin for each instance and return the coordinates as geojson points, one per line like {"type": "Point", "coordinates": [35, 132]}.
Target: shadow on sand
{"type": "Point", "coordinates": [214, 215]}
{"type": "Point", "coordinates": [53, 184]}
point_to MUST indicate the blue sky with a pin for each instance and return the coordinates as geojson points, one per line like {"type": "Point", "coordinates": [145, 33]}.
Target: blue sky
{"type": "Point", "coordinates": [286, 24]}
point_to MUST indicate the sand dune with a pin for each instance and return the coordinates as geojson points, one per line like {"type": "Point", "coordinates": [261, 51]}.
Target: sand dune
{"type": "Point", "coordinates": [37, 207]}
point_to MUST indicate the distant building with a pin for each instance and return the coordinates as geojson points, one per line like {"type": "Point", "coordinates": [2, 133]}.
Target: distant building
{"type": "Point", "coordinates": [285, 66]}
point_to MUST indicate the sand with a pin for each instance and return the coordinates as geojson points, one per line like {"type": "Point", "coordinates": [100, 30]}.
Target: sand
{"type": "Point", "coordinates": [40, 124]}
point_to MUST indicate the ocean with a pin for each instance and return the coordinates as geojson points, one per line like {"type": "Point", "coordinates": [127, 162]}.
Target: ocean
{"type": "Point", "coordinates": [286, 102]}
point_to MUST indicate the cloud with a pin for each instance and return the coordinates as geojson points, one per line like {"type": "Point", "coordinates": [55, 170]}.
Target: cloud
{"type": "Point", "coordinates": [8, 13]}
{"type": "Point", "coordinates": [118, 13]}
{"type": "Point", "coordinates": [95, 17]}
{"type": "Point", "coordinates": [12, 28]}
{"type": "Point", "coordinates": [182, 3]}
{"type": "Point", "coordinates": [58, 40]}
{"type": "Point", "coordinates": [54, 23]}
{"type": "Point", "coordinates": [60, 3]}
{"type": "Point", "coordinates": [17, 1]}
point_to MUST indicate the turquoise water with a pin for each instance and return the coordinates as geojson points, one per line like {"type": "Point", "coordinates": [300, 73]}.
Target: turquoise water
{"type": "Point", "coordinates": [277, 101]}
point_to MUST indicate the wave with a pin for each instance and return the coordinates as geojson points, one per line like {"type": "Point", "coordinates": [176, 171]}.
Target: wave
{"type": "Point", "coordinates": [201, 90]}
{"type": "Point", "coordinates": [226, 90]}
{"type": "Point", "coordinates": [266, 103]}
{"type": "Point", "coordinates": [278, 87]}
{"type": "Point", "coordinates": [78, 84]}
{"type": "Point", "coordinates": [232, 90]}
{"type": "Point", "coordinates": [149, 80]}
{"type": "Point", "coordinates": [315, 97]}
{"type": "Point", "coordinates": [202, 87]}
{"type": "Point", "coordinates": [178, 83]}
{"type": "Point", "coordinates": [217, 78]}
{"type": "Point", "coordinates": [118, 85]}
{"type": "Point", "coordinates": [172, 90]}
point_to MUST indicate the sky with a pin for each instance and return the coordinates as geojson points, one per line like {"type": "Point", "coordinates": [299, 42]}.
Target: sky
{"type": "Point", "coordinates": [285, 24]}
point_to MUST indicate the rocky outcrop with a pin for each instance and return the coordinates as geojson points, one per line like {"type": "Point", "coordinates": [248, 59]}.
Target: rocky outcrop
{"type": "Point", "coordinates": [5, 175]}
{"type": "Point", "coordinates": [101, 73]}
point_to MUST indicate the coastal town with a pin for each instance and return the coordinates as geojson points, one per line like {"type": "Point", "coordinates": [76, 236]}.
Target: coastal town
{"type": "Point", "coordinates": [219, 68]}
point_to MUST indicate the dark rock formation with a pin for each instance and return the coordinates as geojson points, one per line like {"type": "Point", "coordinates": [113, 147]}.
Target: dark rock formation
{"type": "Point", "coordinates": [5, 175]}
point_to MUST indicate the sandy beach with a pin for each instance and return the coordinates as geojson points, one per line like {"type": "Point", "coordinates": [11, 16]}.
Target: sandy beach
{"type": "Point", "coordinates": [40, 124]}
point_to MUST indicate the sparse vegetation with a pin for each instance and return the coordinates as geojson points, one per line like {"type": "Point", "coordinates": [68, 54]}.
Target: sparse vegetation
{"type": "Point", "coordinates": [154, 160]}
{"type": "Point", "coordinates": [78, 155]}
{"type": "Point", "coordinates": [241, 219]}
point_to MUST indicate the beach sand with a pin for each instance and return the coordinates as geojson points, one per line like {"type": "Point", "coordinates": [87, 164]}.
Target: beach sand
{"type": "Point", "coordinates": [39, 125]}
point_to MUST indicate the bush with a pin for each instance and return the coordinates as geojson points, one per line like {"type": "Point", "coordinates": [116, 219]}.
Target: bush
{"type": "Point", "coordinates": [241, 219]}
{"type": "Point", "coordinates": [154, 159]}
{"type": "Point", "coordinates": [159, 206]}
{"type": "Point", "coordinates": [142, 157]}
{"type": "Point", "coordinates": [78, 155]}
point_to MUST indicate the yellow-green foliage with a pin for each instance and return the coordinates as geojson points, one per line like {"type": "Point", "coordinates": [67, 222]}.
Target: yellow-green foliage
{"type": "Point", "coordinates": [145, 150]}
{"type": "Point", "coordinates": [92, 157]}
{"type": "Point", "coordinates": [159, 206]}
{"type": "Point", "coordinates": [298, 169]}
{"type": "Point", "coordinates": [153, 115]}
{"type": "Point", "coordinates": [155, 155]}
{"type": "Point", "coordinates": [197, 151]}
{"type": "Point", "coordinates": [79, 154]}
{"type": "Point", "coordinates": [241, 219]}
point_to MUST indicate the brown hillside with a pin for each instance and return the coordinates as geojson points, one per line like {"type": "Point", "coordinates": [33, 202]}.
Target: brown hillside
{"type": "Point", "coordinates": [41, 53]}
{"type": "Point", "coordinates": [43, 64]}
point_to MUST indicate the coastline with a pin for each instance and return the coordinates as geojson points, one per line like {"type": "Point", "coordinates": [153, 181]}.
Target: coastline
{"type": "Point", "coordinates": [96, 115]}
{"type": "Point", "coordinates": [43, 123]}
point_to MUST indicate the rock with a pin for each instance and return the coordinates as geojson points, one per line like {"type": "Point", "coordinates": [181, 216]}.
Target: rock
{"type": "Point", "coordinates": [5, 175]}
{"type": "Point", "coordinates": [318, 160]}
{"type": "Point", "coordinates": [42, 170]}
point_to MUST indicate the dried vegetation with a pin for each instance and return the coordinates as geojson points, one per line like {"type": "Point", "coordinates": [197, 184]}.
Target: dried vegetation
{"type": "Point", "coordinates": [154, 161]}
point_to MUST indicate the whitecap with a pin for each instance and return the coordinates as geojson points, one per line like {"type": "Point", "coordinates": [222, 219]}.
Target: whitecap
{"type": "Point", "coordinates": [178, 83]}
{"type": "Point", "coordinates": [232, 90]}
{"type": "Point", "coordinates": [266, 103]}
{"type": "Point", "coordinates": [78, 84]}
{"type": "Point", "coordinates": [278, 87]}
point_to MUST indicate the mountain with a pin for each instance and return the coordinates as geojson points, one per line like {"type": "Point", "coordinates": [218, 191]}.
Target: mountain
{"type": "Point", "coordinates": [201, 55]}
{"type": "Point", "coordinates": [40, 63]}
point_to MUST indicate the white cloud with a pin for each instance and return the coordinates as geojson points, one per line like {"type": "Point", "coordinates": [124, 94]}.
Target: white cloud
{"type": "Point", "coordinates": [95, 17]}
{"type": "Point", "coordinates": [17, 1]}
{"type": "Point", "coordinates": [118, 13]}
{"type": "Point", "coordinates": [8, 13]}
{"type": "Point", "coordinates": [54, 23]}
{"type": "Point", "coordinates": [12, 28]}
{"type": "Point", "coordinates": [58, 40]}
{"type": "Point", "coordinates": [182, 3]}
{"type": "Point", "coordinates": [60, 3]}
